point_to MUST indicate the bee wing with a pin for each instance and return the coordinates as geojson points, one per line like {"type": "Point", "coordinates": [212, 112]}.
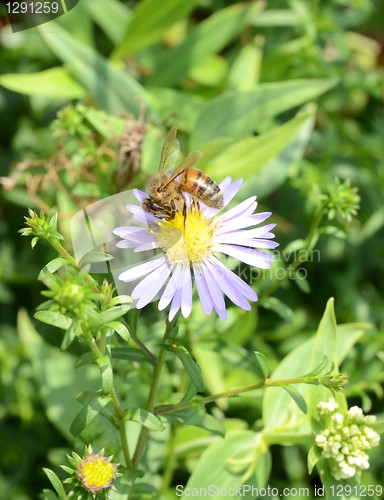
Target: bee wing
{"type": "Point", "coordinates": [170, 151]}
{"type": "Point", "coordinates": [187, 163]}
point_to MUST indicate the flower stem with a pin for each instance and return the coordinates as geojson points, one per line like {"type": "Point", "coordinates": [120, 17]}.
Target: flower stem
{"type": "Point", "coordinates": [170, 462]}
{"type": "Point", "coordinates": [71, 261]}
{"type": "Point", "coordinates": [97, 354]}
{"type": "Point", "coordinates": [153, 393]}
{"type": "Point", "coordinates": [239, 390]}
{"type": "Point", "coordinates": [64, 253]}
{"type": "Point", "coordinates": [122, 428]}
{"type": "Point", "coordinates": [143, 348]}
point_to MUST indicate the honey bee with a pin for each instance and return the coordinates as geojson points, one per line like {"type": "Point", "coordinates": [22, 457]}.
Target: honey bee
{"type": "Point", "coordinates": [165, 192]}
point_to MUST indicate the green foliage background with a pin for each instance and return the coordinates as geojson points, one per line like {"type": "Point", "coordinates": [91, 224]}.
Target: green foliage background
{"type": "Point", "coordinates": [286, 94]}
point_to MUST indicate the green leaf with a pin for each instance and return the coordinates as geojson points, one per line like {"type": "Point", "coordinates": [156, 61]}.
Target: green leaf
{"type": "Point", "coordinates": [279, 307]}
{"type": "Point", "coordinates": [49, 495]}
{"type": "Point", "coordinates": [54, 83]}
{"type": "Point", "coordinates": [297, 397]}
{"type": "Point", "coordinates": [52, 266]}
{"type": "Point", "coordinates": [238, 114]}
{"type": "Point", "coordinates": [279, 17]}
{"type": "Point", "coordinates": [190, 365]}
{"type": "Point", "coordinates": [145, 418]}
{"type": "Point", "coordinates": [329, 482]}
{"type": "Point", "coordinates": [207, 38]}
{"type": "Point", "coordinates": [248, 156]}
{"type": "Point", "coordinates": [245, 70]}
{"type": "Point", "coordinates": [94, 256]}
{"type": "Point", "coordinates": [319, 368]}
{"type": "Point", "coordinates": [314, 456]}
{"type": "Point", "coordinates": [114, 24]}
{"type": "Point", "coordinates": [85, 359]}
{"type": "Point", "coordinates": [120, 300]}
{"type": "Point", "coordinates": [53, 318]}
{"type": "Point", "coordinates": [56, 483]}
{"type": "Point", "coordinates": [275, 172]}
{"type": "Point", "coordinates": [211, 71]}
{"type": "Point", "coordinates": [177, 107]}
{"type": "Point", "coordinates": [262, 364]}
{"type": "Point", "coordinates": [197, 416]}
{"type": "Point", "coordinates": [301, 281]}
{"type": "Point", "coordinates": [280, 413]}
{"type": "Point", "coordinates": [106, 374]}
{"type": "Point", "coordinates": [107, 125]}
{"type": "Point", "coordinates": [129, 354]}
{"type": "Point", "coordinates": [113, 89]}
{"type": "Point", "coordinates": [53, 371]}
{"type": "Point", "coordinates": [93, 405]}
{"type": "Point", "coordinates": [324, 345]}
{"type": "Point", "coordinates": [104, 317]}
{"type": "Point", "coordinates": [150, 20]}
{"type": "Point", "coordinates": [73, 331]}
{"type": "Point", "coordinates": [211, 364]}
{"type": "Point", "coordinates": [241, 458]}
{"type": "Point", "coordinates": [121, 329]}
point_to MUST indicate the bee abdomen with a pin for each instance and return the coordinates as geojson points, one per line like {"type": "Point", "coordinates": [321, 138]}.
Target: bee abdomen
{"type": "Point", "coordinates": [203, 187]}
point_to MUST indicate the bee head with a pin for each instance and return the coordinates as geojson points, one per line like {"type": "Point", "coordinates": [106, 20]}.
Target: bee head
{"type": "Point", "coordinates": [152, 207]}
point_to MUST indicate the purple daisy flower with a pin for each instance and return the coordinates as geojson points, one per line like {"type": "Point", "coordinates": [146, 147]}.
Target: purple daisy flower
{"type": "Point", "coordinates": [187, 251]}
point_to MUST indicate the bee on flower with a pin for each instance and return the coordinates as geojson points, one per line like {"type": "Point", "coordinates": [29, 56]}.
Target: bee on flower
{"type": "Point", "coordinates": [190, 235]}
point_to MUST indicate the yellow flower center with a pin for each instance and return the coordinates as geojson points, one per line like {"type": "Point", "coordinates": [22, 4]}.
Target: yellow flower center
{"type": "Point", "coordinates": [186, 240]}
{"type": "Point", "coordinates": [96, 473]}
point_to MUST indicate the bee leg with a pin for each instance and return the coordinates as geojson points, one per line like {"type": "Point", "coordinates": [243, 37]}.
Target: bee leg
{"type": "Point", "coordinates": [173, 209]}
{"type": "Point", "coordinates": [184, 213]}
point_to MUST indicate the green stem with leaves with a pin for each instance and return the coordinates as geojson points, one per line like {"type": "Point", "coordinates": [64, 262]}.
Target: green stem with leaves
{"type": "Point", "coordinates": [151, 400]}
{"type": "Point", "coordinates": [268, 382]}
{"type": "Point", "coordinates": [97, 354]}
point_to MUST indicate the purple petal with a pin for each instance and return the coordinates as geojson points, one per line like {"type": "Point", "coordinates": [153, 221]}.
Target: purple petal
{"type": "Point", "coordinates": [146, 246]}
{"type": "Point", "coordinates": [203, 292]}
{"type": "Point", "coordinates": [138, 237]}
{"type": "Point", "coordinates": [141, 216]}
{"type": "Point", "coordinates": [146, 290]}
{"type": "Point", "coordinates": [215, 292]}
{"type": "Point", "coordinates": [243, 209]}
{"type": "Point", "coordinates": [230, 189]}
{"type": "Point", "coordinates": [257, 232]}
{"type": "Point", "coordinates": [257, 243]}
{"type": "Point", "coordinates": [242, 286]}
{"type": "Point", "coordinates": [126, 244]}
{"type": "Point", "coordinates": [241, 222]}
{"type": "Point", "coordinates": [246, 255]}
{"type": "Point", "coordinates": [141, 270]}
{"type": "Point", "coordinates": [179, 291]}
{"type": "Point", "coordinates": [170, 289]}
{"type": "Point", "coordinates": [186, 293]}
{"type": "Point", "coordinates": [175, 306]}
{"type": "Point", "coordinates": [140, 195]}
{"type": "Point", "coordinates": [227, 287]}
{"type": "Point", "coordinates": [129, 231]}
